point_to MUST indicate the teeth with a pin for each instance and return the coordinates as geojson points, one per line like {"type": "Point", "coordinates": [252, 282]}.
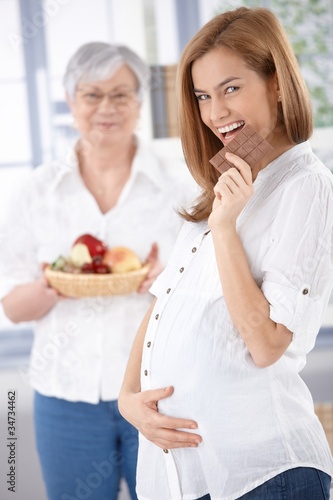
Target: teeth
{"type": "Point", "coordinates": [229, 128]}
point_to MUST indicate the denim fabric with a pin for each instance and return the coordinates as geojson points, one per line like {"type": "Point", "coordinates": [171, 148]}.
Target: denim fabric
{"type": "Point", "coordinates": [301, 483]}
{"type": "Point", "coordinates": [84, 449]}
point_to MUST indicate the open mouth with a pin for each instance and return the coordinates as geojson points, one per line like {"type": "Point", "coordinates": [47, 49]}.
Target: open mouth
{"type": "Point", "coordinates": [230, 131]}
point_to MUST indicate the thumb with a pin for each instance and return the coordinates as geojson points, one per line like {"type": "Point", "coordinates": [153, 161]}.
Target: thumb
{"type": "Point", "coordinates": [157, 394]}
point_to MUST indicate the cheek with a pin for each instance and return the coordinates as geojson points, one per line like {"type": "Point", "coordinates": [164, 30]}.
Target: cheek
{"type": "Point", "coordinates": [83, 115]}
{"type": "Point", "coordinates": [205, 115]}
{"type": "Point", "coordinates": [269, 106]}
{"type": "Point", "coordinates": [132, 118]}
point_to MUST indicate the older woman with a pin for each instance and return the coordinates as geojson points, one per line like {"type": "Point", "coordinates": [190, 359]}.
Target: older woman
{"type": "Point", "coordinates": [112, 186]}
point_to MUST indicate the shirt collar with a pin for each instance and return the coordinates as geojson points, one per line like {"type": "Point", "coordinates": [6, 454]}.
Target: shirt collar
{"type": "Point", "coordinates": [288, 156]}
{"type": "Point", "coordinates": [144, 163]}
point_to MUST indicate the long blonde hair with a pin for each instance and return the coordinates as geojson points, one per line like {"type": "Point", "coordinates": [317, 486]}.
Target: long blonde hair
{"type": "Point", "coordinates": [258, 38]}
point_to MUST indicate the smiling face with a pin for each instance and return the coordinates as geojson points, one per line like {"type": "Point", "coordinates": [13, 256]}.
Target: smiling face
{"type": "Point", "coordinates": [231, 95]}
{"type": "Point", "coordinates": [106, 112]}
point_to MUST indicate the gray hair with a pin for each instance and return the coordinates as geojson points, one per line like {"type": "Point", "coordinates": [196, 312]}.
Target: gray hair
{"type": "Point", "coordinates": [98, 61]}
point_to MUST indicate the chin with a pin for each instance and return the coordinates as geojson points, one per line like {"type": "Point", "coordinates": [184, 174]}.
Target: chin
{"type": "Point", "coordinates": [103, 136]}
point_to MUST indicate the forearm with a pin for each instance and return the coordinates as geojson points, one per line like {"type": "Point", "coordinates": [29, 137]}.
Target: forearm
{"type": "Point", "coordinates": [29, 302]}
{"type": "Point", "coordinates": [247, 305]}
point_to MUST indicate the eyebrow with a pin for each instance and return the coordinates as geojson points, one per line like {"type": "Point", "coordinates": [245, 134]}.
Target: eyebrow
{"type": "Point", "coordinates": [221, 84]}
{"type": "Point", "coordinates": [94, 87]}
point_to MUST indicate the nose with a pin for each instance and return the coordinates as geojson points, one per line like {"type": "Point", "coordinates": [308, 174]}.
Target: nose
{"type": "Point", "coordinates": [218, 109]}
{"type": "Point", "coordinates": [107, 105]}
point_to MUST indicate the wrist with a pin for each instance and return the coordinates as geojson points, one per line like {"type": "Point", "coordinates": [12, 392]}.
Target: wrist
{"type": "Point", "coordinates": [224, 233]}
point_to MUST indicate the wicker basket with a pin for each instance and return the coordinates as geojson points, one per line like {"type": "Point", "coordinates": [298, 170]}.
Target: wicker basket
{"type": "Point", "coordinates": [92, 285]}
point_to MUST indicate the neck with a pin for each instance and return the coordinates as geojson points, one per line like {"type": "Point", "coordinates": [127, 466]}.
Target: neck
{"type": "Point", "coordinates": [99, 158]}
{"type": "Point", "coordinates": [105, 170]}
{"type": "Point", "coordinates": [280, 146]}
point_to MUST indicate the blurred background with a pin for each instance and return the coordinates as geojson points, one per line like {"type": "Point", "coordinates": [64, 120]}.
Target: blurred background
{"type": "Point", "coordinates": [37, 38]}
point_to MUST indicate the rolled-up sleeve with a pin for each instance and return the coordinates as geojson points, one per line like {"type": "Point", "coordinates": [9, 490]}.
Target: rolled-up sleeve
{"type": "Point", "coordinates": [297, 269]}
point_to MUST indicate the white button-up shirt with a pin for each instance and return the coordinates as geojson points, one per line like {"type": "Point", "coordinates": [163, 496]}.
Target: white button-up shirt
{"type": "Point", "coordinates": [255, 422]}
{"type": "Point", "coordinates": [81, 346]}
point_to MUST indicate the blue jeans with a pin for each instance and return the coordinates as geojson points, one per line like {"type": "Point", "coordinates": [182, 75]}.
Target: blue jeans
{"type": "Point", "coordinates": [84, 449]}
{"type": "Point", "coordinates": [301, 483]}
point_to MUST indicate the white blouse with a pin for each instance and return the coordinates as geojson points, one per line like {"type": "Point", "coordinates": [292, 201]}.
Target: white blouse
{"type": "Point", "coordinates": [81, 346]}
{"type": "Point", "coordinates": [255, 422]}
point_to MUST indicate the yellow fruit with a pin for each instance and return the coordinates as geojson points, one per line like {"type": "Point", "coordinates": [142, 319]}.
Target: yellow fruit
{"type": "Point", "coordinates": [121, 260]}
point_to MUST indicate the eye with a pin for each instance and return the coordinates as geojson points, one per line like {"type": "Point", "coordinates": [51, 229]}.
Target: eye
{"type": "Point", "coordinates": [231, 89]}
{"type": "Point", "coordinates": [123, 98]}
{"type": "Point", "coordinates": [202, 97]}
{"type": "Point", "coordinates": [92, 96]}
{"type": "Point", "coordinates": [120, 96]}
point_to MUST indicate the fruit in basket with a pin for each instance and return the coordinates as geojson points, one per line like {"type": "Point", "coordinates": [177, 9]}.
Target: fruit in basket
{"type": "Point", "coordinates": [121, 260]}
{"type": "Point", "coordinates": [87, 268]}
{"type": "Point", "coordinates": [62, 264]}
{"type": "Point", "coordinates": [59, 263]}
{"type": "Point", "coordinates": [102, 269]}
{"type": "Point", "coordinates": [95, 246]}
{"type": "Point", "coordinates": [89, 255]}
{"type": "Point", "coordinates": [99, 266]}
{"type": "Point", "coordinates": [80, 255]}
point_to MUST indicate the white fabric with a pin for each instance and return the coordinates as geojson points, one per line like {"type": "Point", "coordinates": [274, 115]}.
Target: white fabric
{"type": "Point", "coordinates": [81, 347]}
{"type": "Point", "coordinates": [255, 422]}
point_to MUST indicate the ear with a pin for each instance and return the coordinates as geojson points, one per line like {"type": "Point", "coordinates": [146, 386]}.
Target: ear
{"type": "Point", "coordinates": [274, 89]}
{"type": "Point", "coordinates": [277, 87]}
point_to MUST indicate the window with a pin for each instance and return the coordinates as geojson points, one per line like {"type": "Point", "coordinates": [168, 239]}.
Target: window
{"type": "Point", "coordinates": [15, 141]}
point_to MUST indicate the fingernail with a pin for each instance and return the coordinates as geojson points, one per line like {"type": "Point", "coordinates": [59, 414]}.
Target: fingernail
{"type": "Point", "coordinates": [193, 426]}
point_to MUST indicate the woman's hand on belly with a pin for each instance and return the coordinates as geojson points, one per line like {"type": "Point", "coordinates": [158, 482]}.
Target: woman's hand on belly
{"type": "Point", "coordinates": [142, 412]}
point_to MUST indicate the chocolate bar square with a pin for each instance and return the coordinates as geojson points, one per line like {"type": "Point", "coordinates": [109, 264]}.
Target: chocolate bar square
{"type": "Point", "coordinates": [248, 145]}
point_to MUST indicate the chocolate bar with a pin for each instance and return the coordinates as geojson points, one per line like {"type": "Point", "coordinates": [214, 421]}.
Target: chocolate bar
{"type": "Point", "coordinates": [248, 145]}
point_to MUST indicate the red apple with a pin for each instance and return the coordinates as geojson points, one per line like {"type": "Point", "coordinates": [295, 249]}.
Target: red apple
{"type": "Point", "coordinates": [94, 245]}
{"type": "Point", "coordinates": [121, 260]}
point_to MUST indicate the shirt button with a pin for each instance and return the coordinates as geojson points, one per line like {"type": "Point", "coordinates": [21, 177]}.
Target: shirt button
{"type": "Point", "coordinates": [157, 316]}
{"type": "Point", "coordinates": [166, 451]}
{"type": "Point", "coordinates": [305, 291]}
{"type": "Point", "coordinates": [168, 290]}
{"type": "Point", "coordinates": [194, 249]}
{"type": "Point", "coordinates": [181, 269]}
{"type": "Point", "coordinates": [146, 372]}
{"type": "Point", "coordinates": [148, 344]}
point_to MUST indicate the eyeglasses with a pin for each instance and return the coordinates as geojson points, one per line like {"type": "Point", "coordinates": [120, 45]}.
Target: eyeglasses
{"type": "Point", "coordinates": [117, 99]}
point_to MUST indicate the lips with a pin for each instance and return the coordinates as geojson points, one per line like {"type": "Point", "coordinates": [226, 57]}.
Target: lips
{"type": "Point", "coordinates": [106, 124]}
{"type": "Point", "coordinates": [230, 131]}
